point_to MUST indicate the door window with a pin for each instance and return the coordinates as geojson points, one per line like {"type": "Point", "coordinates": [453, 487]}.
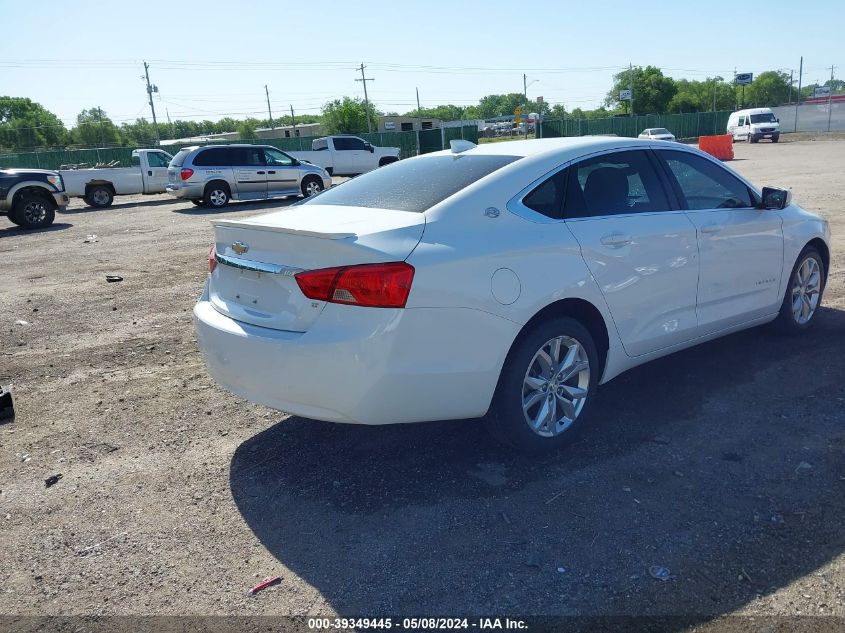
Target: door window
{"type": "Point", "coordinates": [158, 159]}
{"type": "Point", "coordinates": [613, 184]}
{"type": "Point", "coordinates": [344, 143]}
{"type": "Point", "coordinates": [276, 158]}
{"type": "Point", "coordinates": [704, 184]}
{"type": "Point", "coordinates": [741, 121]}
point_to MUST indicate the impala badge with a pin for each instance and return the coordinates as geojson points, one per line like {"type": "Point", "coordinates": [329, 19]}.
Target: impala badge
{"type": "Point", "coordinates": [240, 247]}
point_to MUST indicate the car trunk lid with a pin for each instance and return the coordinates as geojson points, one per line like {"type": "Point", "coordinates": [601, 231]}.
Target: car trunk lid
{"type": "Point", "coordinates": [254, 281]}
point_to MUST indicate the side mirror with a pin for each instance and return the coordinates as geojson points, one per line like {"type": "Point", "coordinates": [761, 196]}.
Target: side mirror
{"type": "Point", "coordinates": [776, 198]}
{"type": "Point", "coordinates": [369, 148]}
{"type": "Point", "coordinates": [777, 120]}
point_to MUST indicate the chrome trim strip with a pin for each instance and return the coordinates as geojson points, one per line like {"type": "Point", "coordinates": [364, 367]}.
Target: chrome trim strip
{"type": "Point", "coordinates": [259, 267]}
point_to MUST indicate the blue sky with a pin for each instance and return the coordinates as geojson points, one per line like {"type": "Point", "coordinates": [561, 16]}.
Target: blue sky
{"type": "Point", "coordinates": [212, 59]}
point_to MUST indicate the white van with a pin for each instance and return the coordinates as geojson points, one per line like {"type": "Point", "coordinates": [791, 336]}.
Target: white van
{"type": "Point", "coordinates": [753, 124]}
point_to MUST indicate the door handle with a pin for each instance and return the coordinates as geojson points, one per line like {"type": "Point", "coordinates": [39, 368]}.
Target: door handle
{"type": "Point", "coordinates": [270, 172]}
{"type": "Point", "coordinates": [616, 239]}
{"type": "Point", "coordinates": [149, 172]}
{"type": "Point", "coordinates": [260, 172]}
{"type": "Point", "coordinates": [711, 228]}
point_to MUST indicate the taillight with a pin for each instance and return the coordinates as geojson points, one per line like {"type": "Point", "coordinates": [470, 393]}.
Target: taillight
{"type": "Point", "coordinates": [186, 173]}
{"type": "Point", "coordinates": [212, 258]}
{"type": "Point", "coordinates": [368, 285]}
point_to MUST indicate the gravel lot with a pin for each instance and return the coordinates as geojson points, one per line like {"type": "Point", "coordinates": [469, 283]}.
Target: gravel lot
{"type": "Point", "coordinates": [724, 463]}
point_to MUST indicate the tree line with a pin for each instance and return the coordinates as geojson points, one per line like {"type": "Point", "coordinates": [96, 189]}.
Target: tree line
{"type": "Point", "coordinates": [25, 124]}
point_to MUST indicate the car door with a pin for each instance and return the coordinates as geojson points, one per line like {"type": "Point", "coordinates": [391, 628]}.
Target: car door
{"type": "Point", "coordinates": [348, 155]}
{"type": "Point", "coordinates": [283, 173]}
{"type": "Point", "coordinates": [639, 247]}
{"type": "Point", "coordinates": [250, 172]}
{"type": "Point", "coordinates": [740, 247]}
{"type": "Point", "coordinates": [156, 176]}
{"type": "Point", "coordinates": [742, 127]}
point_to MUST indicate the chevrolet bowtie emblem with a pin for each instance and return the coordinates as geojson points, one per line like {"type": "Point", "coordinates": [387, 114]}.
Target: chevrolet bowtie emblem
{"type": "Point", "coordinates": [240, 247]}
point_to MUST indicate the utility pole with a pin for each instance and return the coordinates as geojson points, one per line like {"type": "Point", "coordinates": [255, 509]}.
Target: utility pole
{"type": "Point", "coordinates": [830, 98]}
{"type": "Point", "coordinates": [419, 109]}
{"type": "Point", "coordinates": [150, 90]}
{"type": "Point", "coordinates": [631, 86]}
{"type": "Point", "coordinates": [798, 100]}
{"type": "Point", "coordinates": [293, 119]}
{"type": "Point", "coordinates": [789, 98]}
{"type": "Point", "coordinates": [269, 111]}
{"type": "Point", "coordinates": [364, 80]}
{"type": "Point", "coordinates": [167, 111]}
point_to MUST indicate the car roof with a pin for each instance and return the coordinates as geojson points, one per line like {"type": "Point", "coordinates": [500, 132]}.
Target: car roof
{"type": "Point", "coordinates": [754, 111]}
{"type": "Point", "coordinates": [551, 146]}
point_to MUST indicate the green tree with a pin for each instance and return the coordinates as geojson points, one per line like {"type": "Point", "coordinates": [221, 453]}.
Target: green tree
{"type": "Point", "coordinates": [697, 96]}
{"type": "Point", "coordinates": [95, 128]}
{"type": "Point", "coordinates": [246, 131]}
{"type": "Point", "coordinates": [652, 90]}
{"type": "Point", "coordinates": [26, 124]}
{"type": "Point", "coordinates": [770, 88]}
{"type": "Point", "coordinates": [500, 105]}
{"type": "Point", "coordinates": [347, 116]}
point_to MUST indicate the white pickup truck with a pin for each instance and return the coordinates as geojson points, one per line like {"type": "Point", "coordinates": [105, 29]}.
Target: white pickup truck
{"type": "Point", "coordinates": [99, 186]}
{"type": "Point", "coordinates": [347, 155]}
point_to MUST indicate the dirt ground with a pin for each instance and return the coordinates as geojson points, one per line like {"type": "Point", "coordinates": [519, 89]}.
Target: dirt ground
{"type": "Point", "coordinates": [725, 463]}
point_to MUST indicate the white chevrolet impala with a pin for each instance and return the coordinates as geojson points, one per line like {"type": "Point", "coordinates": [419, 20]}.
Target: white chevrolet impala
{"type": "Point", "coordinates": [506, 281]}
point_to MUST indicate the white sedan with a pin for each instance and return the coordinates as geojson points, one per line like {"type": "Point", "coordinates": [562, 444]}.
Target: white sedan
{"type": "Point", "coordinates": [657, 134]}
{"type": "Point", "coordinates": [507, 281]}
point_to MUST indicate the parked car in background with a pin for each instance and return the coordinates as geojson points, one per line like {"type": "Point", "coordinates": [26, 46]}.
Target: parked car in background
{"type": "Point", "coordinates": [99, 186]}
{"type": "Point", "coordinates": [213, 175]}
{"type": "Point", "coordinates": [657, 134]}
{"type": "Point", "coordinates": [347, 155]}
{"type": "Point", "coordinates": [30, 197]}
{"type": "Point", "coordinates": [753, 124]}
{"type": "Point", "coordinates": [509, 277]}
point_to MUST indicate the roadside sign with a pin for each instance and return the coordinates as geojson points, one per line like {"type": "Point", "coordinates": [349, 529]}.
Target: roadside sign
{"type": "Point", "coordinates": [539, 99]}
{"type": "Point", "coordinates": [518, 114]}
{"type": "Point", "coordinates": [742, 79]}
{"type": "Point", "coordinates": [624, 95]}
{"type": "Point", "coordinates": [821, 91]}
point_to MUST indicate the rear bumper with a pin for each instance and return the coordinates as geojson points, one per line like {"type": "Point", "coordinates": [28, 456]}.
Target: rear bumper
{"type": "Point", "coordinates": [362, 365]}
{"type": "Point", "coordinates": [186, 191]}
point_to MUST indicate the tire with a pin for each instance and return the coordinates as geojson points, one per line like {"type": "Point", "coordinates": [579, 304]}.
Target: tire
{"type": "Point", "coordinates": [217, 195]}
{"type": "Point", "coordinates": [753, 139]}
{"type": "Point", "coordinates": [775, 138]}
{"type": "Point", "coordinates": [522, 380]}
{"type": "Point", "coordinates": [99, 196]}
{"type": "Point", "coordinates": [803, 294]}
{"type": "Point", "coordinates": [33, 212]}
{"type": "Point", "coordinates": [12, 218]}
{"type": "Point", "coordinates": [311, 185]}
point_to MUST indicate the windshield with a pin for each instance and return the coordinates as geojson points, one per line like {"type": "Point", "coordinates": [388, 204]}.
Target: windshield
{"type": "Point", "coordinates": [763, 118]}
{"type": "Point", "coordinates": [412, 185]}
{"type": "Point", "coordinates": [660, 130]}
{"type": "Point", "coordinates": [179, 158]}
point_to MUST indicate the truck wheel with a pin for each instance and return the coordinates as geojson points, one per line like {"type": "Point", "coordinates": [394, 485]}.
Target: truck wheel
{"type": "Point", "coordinates": [311, 185]}
{"type": "Point", "coordinates": [100, 196]}
{"type": "Point", "coordinates": [775, 138]}
{"type": "Point", "coordinates": [217, 195]}
{"type": "Point", "coordinates": [34, 212]}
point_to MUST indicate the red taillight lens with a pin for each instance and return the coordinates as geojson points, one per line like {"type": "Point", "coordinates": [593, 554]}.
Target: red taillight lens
{"type": "Point", "coordinates": [368, 285]}
{"type": "Point", "coordinates": [186, 173]}
{"type": "Point", "coordinates": [212, 258]}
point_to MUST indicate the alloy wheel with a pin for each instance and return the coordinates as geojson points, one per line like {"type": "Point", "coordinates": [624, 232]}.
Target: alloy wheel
{"type": "Point", "coordinates": [34, 212]}
{"type": "Point", "coordinates": [806, 290]}
{"type": "Point", "coordinates": [218, 197]}
{"type": "Point", "coordinates": [556, 386]}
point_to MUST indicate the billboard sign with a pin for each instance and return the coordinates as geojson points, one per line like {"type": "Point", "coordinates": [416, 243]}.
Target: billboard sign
{"type": "Point", "coordinates": [743, 79]}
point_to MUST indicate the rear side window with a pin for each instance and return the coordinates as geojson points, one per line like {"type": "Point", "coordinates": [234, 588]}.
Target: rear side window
{"type": "Point", "coordinates": [348, 143]}
{"type": "Point", "coordinates": [547, 197]}
{"type": "Point", "coordinates": [704, 184]}
{"type": "Point", "coordinates": [213, 157]}
{"type": "Point", "coordinates": [179, 159]}
{"type": "Point", "coordinates": [614, 184]}
{"type": "Point", "coordinates": [246, 156]}
{"type": "Point", "coordinates": [412, 185]}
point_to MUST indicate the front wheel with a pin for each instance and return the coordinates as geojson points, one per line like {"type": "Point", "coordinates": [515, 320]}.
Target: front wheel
{"type": "Point", "coordinates": [775, 138]}
{"type": "Point", "coordinates": [33, 212]}
{"type": "Point", "coordinates": [311, 186]}
{"type": "Point", "coordinates": [546, 387]}
{"type": "Point", "coordinates": [803, 294]}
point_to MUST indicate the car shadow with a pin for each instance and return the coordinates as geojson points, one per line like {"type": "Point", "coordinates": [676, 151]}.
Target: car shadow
{"type": "Point", "coordinates": [723, 464]}
{"type": "Point", "coordinates": [234, 207]}
{"type": "Point", "coordinates": [120, 205]}
{"type": "Point", "coordinates": [13, 230]}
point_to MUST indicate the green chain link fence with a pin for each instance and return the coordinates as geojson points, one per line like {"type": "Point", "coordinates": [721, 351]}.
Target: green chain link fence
{"type": "Point", "coordinates": [684, 126]}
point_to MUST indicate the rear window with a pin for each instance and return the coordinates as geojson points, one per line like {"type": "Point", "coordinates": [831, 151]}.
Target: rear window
{"type": "Point", "coordinates": [660, 130]}
{"type": "Point", "coordinates": [213, 157]}
{"type": "Point", "coordinates": [412, 185]}
{"type": "Point", "coordinates": [177, 160]}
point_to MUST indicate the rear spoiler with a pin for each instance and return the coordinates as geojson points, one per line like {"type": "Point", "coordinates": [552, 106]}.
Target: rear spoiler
{"type": "Point", "coordinates": [246, 224]}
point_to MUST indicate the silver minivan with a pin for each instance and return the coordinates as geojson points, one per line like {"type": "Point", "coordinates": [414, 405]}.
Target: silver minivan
{"type": "Point", "coordinates": [214, 174]}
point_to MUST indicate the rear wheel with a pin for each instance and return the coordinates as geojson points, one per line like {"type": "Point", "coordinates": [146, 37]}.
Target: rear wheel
{"type": "Point", "coordinates": [99, 196]}
{"type": "Point", "coordinates": [546, 387]}
{"type": "Point", "coordinates": [33, 212]}
{"type": "Point", "coordinates": [803, 294]}
{"type": "Point", "coordinates": [217, 195]}
{"type": "Point", "coordinates": [311, 185]}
